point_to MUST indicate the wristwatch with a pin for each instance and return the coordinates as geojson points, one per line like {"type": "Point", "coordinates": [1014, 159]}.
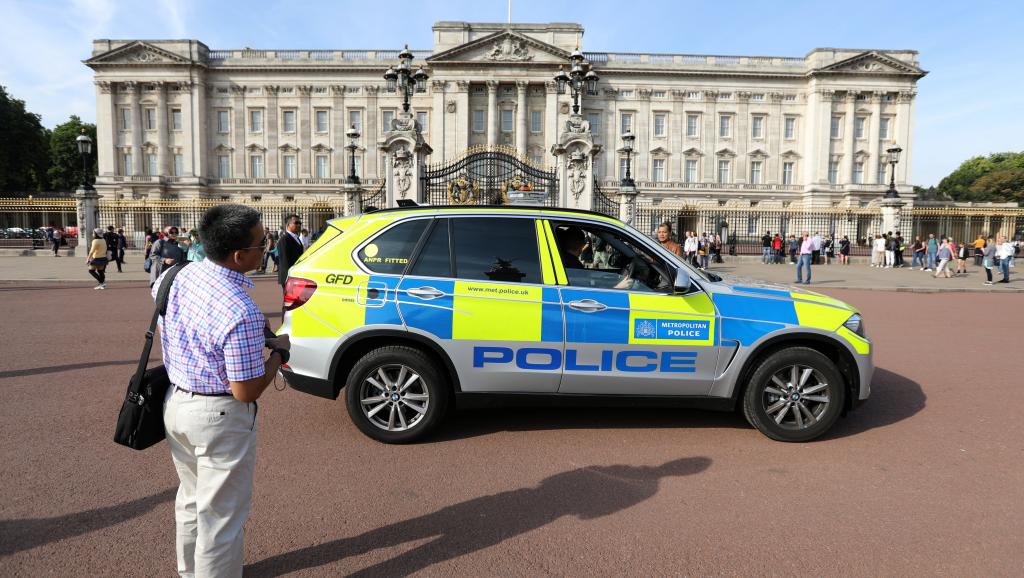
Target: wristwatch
{"type": "Point", "coordinates": [285, 356]}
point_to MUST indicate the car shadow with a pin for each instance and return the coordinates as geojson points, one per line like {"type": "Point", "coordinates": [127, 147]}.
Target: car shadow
{"type": "Point", "coordinates": [894, 398]}
{"type": "Point", "coordinates": [586, 493]}
{"type": "Point", "coordinates": [63, 368]}
{"type": "Point", "coordinates": [27, 533]}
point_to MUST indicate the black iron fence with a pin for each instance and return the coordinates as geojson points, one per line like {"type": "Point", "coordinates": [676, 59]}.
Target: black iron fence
{"type": "Point", "coordinates": [375, 198]}
{"type": "Point", "coordinates": [603, 203]}
{"type": "Point", "coordinates": [489, 175]}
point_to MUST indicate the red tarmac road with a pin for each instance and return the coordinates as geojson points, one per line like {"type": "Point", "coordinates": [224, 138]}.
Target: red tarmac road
{"type": "Point", "coordinates": [927, 478]}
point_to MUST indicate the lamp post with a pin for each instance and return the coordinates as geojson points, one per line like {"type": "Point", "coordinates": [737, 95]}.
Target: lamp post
{"type": "Point", "coordinates": [580, 74]}
{"type": "Point", "coordinates": [627, 147]}
{"type": "Point", "coordinates": [894, 157]}
{"type": "Point", "coordinates": [85, 151]}
{"type": "Point", "coordinates": [353, 136]}
{"type": "Point", "coordinates": [405, 79]}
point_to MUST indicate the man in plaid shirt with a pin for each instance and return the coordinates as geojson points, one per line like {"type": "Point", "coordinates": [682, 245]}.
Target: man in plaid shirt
{"type": "Point", "coordinates": [213, 348]}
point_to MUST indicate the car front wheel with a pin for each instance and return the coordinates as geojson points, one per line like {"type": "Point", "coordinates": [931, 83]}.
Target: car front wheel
{"type": "Point", "coordinates": [396, 394]}
{"type": "Point", "coordinates": [794, 395]}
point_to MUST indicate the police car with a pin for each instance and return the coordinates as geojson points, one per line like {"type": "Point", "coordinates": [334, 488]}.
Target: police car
{"type": "Point", "coordinates": [414, 310]}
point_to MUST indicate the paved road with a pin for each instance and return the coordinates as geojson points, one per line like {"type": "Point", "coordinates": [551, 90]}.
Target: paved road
{"type": "Point", "coordinates": [927, 478]}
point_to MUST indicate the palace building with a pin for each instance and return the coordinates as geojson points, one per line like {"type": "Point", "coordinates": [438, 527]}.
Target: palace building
{"type": "Point", "coordinates": [179, 120]}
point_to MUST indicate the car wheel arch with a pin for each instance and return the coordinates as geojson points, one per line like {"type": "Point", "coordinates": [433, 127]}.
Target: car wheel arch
{"type": "Point", "coordinates": [350, 352]}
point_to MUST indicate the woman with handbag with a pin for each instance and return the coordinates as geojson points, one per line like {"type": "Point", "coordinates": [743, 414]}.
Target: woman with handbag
{"type": "Point", "coordinates": [97, 259]}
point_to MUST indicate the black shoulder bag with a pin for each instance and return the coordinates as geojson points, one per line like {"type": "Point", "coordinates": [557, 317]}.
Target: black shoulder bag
{"type": "Point", "coordinates": [141, 421]}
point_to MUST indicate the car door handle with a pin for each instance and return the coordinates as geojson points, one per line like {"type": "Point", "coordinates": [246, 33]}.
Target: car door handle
{"type": "Point", "coordinates": [588, 306]}
{"type": "Point", "coordinates": [425, 292]}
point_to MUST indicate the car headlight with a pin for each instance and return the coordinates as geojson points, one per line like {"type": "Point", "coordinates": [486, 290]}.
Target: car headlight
{"type": "Point", "coordinates": [855, 324]}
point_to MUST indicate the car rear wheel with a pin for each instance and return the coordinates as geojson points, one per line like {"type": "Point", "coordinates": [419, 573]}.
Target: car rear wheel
{"type": "Point", "coordinates": [794, 395]}
{"type": "Point", "coordinates": [396, 394]}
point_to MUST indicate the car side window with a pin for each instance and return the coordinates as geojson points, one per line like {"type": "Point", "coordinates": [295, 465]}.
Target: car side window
{"type": "Point", "coordinates": [389, 252]}
{"type": "Point", "coordinates": [434, 259]}
{"type": "Point", "coordinates": [602, 258]}
{"type": "Point", "coordinates": [496, 249]}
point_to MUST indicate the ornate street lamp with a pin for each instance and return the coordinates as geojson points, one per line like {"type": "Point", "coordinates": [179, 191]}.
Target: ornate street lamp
{"type": "Point", "coordinates": [405, 79]}
{"type": "Point", "coordinates": [894, 157]}
{"type": "Point", "coordinates": [353, 136]}
{"type": "Point", "coordinates": [580, 75]}
{"type": "Point", "coordinates": [627, 147]}
{"type": "Point", "coordinates": [85, 151]}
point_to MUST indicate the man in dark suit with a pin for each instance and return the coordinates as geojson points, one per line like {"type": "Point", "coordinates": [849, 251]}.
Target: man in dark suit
{"type": "Point", "coordinates": [289, 248]}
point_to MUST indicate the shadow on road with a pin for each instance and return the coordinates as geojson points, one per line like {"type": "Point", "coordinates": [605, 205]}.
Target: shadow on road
{"type": "Point", "coordinates": [473, 525]}
{"type": "Point", "coordinates": [62, 368]}
{"type": "Point", "coordinates": [894, 398]}
{"type": "Point", "coordinates": [24, 534]}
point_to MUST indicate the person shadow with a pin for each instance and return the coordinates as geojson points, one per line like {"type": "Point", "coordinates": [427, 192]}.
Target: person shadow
{"type": "Point", "coordinates": [586, 493]}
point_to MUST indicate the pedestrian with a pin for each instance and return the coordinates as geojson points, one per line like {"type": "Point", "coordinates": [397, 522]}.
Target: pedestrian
{"type": "Point", "coordinates": [56, 236]}
{"type": "Point", "coordinates": [979, 250]}
{"type": "Point", "coordinates": [944, 255]}
{"type": "Point", "coordinates": [766, 247]}
{"type": "Point", "coordinates": [806, 256]}
{"type": "Point", "coordinates": [900, 247]}
{"type": "Point", "coordinates": [97, 259]}
{"type": "Point", "coordinates": [931, 250]}
{"type": "Point", "coordinates": [918, 253]}
{"type": "Point", "coordinates": [665, 239]}
{"type": "Point", "coordinates": [113, 253]}
{"type": "Point", "coordinates": [988, 259]}
{"type": "Point", "coordinates": [702, 251]}
{"type": "Point", "coordinates": [690, 248]}
{"type": "Point", "coordinates": [816, 242]}
{"type": "Point", "coordinates": [777, 249]}
{"type": "Point", "coordinates": [196, 249]}
{"type": "Point", "coordinates": [213, 341]}
{"type": "Point", "coordinates": [890, 250]}
{"type": "Point", "coordinates": [878, 252]}
{"type": "Point", "coordinates": [718, 249]}
{"type": "Point", "coordinates": [794, 249]}
{"type": "Point", "coordinates": [122, 245]}
{"type": "Point", "coordinates": [289, 248]}
{"type": "Point", "coordinates": [829, 249]}
{"type": "Point", "coordinates": [165, 253]}
{"type": "Point", "coordinates": [963, 251]}
{"type": "Point", "coordinates": [1004, 253]}
{"type": "Point", "coordinates": [844, 250]}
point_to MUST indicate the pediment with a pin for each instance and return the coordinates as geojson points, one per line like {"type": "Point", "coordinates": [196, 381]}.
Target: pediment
{"type": "Point", "coordinates": [137, 53]}
{"type": "Point", "coordinates": [322, 148]}
{"type": "Point", "coordinates": [223, 148]}
{"type": "Point", "coordinates": [725, 152]}
{"type": "Point", "coordinates": [790, 154]}
{"type": "Point", "coordinates": [872, 62]}
{"type": "Point", "coordinates": [757, 153]}
{"type": "Point", "coordinates": [693, 152]}
{"type": "Point", "coordinates": [505, 47]}
{"type": "Point", "coordinates": [861, 154]}
{"type": "Point", "coordinates": [288, 148]}
{"type": "Point", "coordinates": [660, 150]}
{"type": "Point", "coordinates": [256, 148]}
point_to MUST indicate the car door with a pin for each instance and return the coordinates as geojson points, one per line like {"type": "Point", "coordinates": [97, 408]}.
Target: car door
{"type": "Point", "coordinates": [626, 331]}
{"type": "Point", "coordinates": [477, 285]}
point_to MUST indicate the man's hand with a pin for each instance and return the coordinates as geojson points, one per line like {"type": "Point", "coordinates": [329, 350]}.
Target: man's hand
{"type": "Point", "coordinates": [280, 342]}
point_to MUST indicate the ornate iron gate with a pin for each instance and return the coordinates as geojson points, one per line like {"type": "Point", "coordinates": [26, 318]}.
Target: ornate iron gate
{"type": "Point", "coordinates": [489, 176]}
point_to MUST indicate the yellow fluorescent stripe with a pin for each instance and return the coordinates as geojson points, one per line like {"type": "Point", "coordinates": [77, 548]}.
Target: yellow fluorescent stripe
{"type": "Point", "coordinates": [559, 272]}
{"type": "Point", "coordinates": [860, 345]}
{"type": "Point", "coordinates": [485, 315]}
{"type": "Point", "coordinates": [547, 271]}
{"type": "Point", "coordinates": [819, 298]}
{"type": "Point", "coordinates": [820, 316]}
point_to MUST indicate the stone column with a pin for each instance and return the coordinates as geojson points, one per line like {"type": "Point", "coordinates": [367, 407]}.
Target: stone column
{"type": "Point", "coordinates": [196, 144]}
{"type": "Point", "coordinates": [137, 129]}
{"type": "Point", "coordinates": [871, 175]}
{"type": "Point", "coordinates": [823, 146]}
{"type": "Point", "coordinates": [405, 154]}
{"type": "Point", "coordinates": [271, 168]}
{"type": "Point", "coordinates": [305, 128]}
{"type": "Point", "coordinates": [492, 112]}
{"type": "Point", "coordinates": [352, 199]}
{"type": "Point", "coordinates": [849, 139]}
{"type": "Point", "coordinates": [338, 128]}
{"type": "Point", "coordinates": [709, 136]}
{"type": "Point", "coordinates": [88, 216]}
{"type": "Point", "coordinates": [162, 166]}
{"type": "Point", "coordinates": [521, 114]}
{"type": "Point", "coordinates": [238, 129]}
{"type": "Point", "coordinates": [904, 120]}
{"type": "Point", "coordinates": [776, 124]}
{"type": "Point", "coordinates": [627, 204]}
{"type": "Point", "coordinates": [550, 115]}
{"type": "Point", "coordinates": [371, 160]}
{"type": "Point", "coordinates": [575, 152]}
{"type": "Point", "coordinates": [106, 145]}
{"type": "Point", "coordinates": [460, 119]}
{"type": "Point", "coordinates": [436, 118]}
{"type": "Point", "coordinates": [891, 214]}
{"type": "Point", "coordinates": [741, 164]}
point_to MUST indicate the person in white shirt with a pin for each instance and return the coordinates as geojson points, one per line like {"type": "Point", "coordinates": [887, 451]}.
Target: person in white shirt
{"type": "Point", "coordinates": [304, 238]}
{"type": "Point", "coordinates": [690, 248]}
{"type": "Point", "coordinates": [878, 252]}
{"type": "Point", "coordinates": [890, 253]}
{"type": "Point", "coordinates": [1004, 252]}
{"type": "Point", "coordinates": [816, 253]}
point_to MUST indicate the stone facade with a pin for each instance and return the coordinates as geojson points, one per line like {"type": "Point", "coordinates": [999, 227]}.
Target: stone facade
{"type": "Point", "coordinates": [178, 120]}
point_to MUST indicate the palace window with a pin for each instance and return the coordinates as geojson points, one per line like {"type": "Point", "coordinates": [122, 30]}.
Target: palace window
{"type": "Point", "coordinates": [175, 119]}
{"type": "Point", "coordinates": [536, 121]}
{"type": "Point", "coordinates": [622, 167]}
{"type": "Point", "coordinates": [789, 98]}
{"type": "Point", "coordinates": [386, 116]}
{"type": "Point", "coordinates": [659, 94]}
{"type": "Point", "coordinates": [151, 168]}
{"type": "Point", "coordinates": [255, 121]}
{"type": "Point", "coordinates": [506, 121]}
{"type": "Point", "coordinates": [692, 125]}
{"type": "Point", "coordinates": [858, 126]}
{"type": "Point", "coordinates": [321, 166]}
{"type": "Point", "coordinates": [658, 170]}
{"type": "Point", "coordinates": [789, 128]}
{"type": "Point", "coordinates": [223, 166]}
{"type": "Point", "coordinates": [289, 166]}
{"type": "Point", "coordinates": [288, 121]}
{"type": "Point", "coordinates": [478, 121]}
{"type": "Point", "coordinates": [223, 121]}
{"type": "Point", "coordinates": [883, 129]}
{"type": "Point", "coordinates": [357, 162]}
{"type": "Point", "coordinates": [127, 168]}
{"type": "Point", "coordinates": [723, 171]}
{"type": "Point", "coordinates": [881, 173]}
{"type": "Point", "coordinates": [321, 121]}
{"type": "Point", "coordinates": [594, 118]}
{"type": "Point", "coordinates": [833, 172]}
{"type": "Point", "coordinates": [755, 172]}
{"type": "Point", "coordinates": [757, 97]}
{"type": "Point", "coordinates": [858, 173]}
{"type": "Point", "coordinates": [787, 173]}
{"type": "Point", "coordinates": [659, 124]}
{"type": "Point", "coordinates": [837, 127]}
{"type": "Point", "coordinates": [626, 123]}
{"type": "Point", "coordinates": [421, 119]}
{"type": "Point", "coordinates": [724, 126]}
{"type": "Point", "coordinates": [757, 127]}
{"type": "Point", "coordinates": [690, 174]}
{"type": "Point", "coordinates": [179, 165]}
{"type": "Point", "coordinates": [355, 118]}
{"type": "Point", "coordinates": [126, 119]}
{"type": "Point", "coordinates": [150, 118]}
{"type": "Point", "coordinates": [256, 166]}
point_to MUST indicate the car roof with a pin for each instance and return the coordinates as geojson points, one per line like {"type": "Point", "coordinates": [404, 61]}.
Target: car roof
{"type": "Point", "coordinates": [398, 212]}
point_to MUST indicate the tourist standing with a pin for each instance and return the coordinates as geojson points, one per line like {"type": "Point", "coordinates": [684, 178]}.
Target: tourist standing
{"type": "Point", "coordinates": [963, 251]}
{"type": "Point", "coordinates": [196, 249]}
{"type": "Point", "coordinates": [289, 248]}
{"type": "Point", "coordinates": [766, 248]}
{"type": "Point", "coordinates": [665, 239]}
{"type": "Point", "coordinates": [979, 250]}
{"type": "Point", "coordinates": [806, 254]}
{"type": "Point", "coordinates": [113, 242]}
{"type": "Point", "coordinates": [890, 253]}
{"type": "Point", "coordinates": [944, 255]}
{"type": "Point", "coordinates": [1004, 252]}
{"type": "Point", "coordinates": [56, 237]}
{"type": "Point", "coordinates": [918, 253]}
{"type": "Point", "coordinates": [828, 247]}
{"type": "Point", "coordinates": [690, 248]}
{"type": "Point", "coordinates": [816, 255]}
{"type": "Point", "coordinates": [844, 250]}
{"type": "Point", "coordinates": [777, 249]}
{"type": "Point", "coordinates": [988, 259]}
{"type": "Point", "coordinates": [122, 245]}
{"type": "Point", "coordinates": [97, 259]}
{"type": "Point", "coordinates": [901, 246]}
{"type": "Point", "coordinates": [931, 250]}
{"type": "Point", "coordinates": [878, 252]}
{"type": "Point", "coordinates": [794, 249]}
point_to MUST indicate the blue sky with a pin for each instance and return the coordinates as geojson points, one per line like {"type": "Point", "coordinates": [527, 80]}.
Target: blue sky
{"type": "Point", "coordinates": [969, 104]}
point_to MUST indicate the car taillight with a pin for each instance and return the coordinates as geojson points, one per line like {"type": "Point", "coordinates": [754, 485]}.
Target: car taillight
{"type": "Point", "coordinates": [297, 291]}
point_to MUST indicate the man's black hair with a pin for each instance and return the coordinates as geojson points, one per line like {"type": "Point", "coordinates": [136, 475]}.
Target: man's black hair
{"type": "Point", "coordinates": [227, 228]}
{"type": "Point", "coordinates": [292, 217]}
{"type": "Point", "coordinates": [110, 227]}
{"type": "Point", "coordinates": [570, 237]}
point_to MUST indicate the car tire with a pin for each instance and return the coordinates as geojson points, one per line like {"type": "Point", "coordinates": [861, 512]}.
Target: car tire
{"type": "Point", "coordinates": [794, 395]}
{"type": "Point", "coordinates": [396, 394]}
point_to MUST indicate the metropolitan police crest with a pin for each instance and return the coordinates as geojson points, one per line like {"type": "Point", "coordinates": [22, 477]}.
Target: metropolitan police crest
{"type": "Point", "coordinates": [645, 328]}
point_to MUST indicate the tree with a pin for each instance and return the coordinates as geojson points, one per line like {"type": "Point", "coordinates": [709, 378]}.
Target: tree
{"type": "Point", "coordinates": [65, 172]}
{"type": "Point", "coordinates": [24, 144]}
{"type": "Point", "coordinates": [963, 183]}
{"type": "Point", "coordinates": [1006, 185]}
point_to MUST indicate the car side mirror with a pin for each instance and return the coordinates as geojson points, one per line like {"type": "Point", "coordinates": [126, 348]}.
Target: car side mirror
{"type": "Point", "coordinates": [682, 284]}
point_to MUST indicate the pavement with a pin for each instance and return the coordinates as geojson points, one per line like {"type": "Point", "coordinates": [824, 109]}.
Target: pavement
{"type": "Point", "coordinates": [854, 276]}
{"type": "Point", "coordinates": [925, 478]}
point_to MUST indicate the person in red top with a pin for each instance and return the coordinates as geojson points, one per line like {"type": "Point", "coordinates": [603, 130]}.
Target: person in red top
{"type": "Point", "coordinates": [777, 249]}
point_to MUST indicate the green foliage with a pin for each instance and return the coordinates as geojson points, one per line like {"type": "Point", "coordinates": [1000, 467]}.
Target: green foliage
{"type": "Point", "coordinates": [994, 178]}
{"type": "Point", "coordinates": [24, 144]}
{"type": "Point", "coordinates": [65, 172]}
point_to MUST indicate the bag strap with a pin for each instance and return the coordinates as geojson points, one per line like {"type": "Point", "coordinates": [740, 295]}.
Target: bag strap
{"type": "Point", "coordinates": [162, 297]}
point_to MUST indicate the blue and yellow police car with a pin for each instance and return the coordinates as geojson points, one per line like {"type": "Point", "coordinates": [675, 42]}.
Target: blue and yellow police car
{"type": "Point", "coordinates": [415, 310]}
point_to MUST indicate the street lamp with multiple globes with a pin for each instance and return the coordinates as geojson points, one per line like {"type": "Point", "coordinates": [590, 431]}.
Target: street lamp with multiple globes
{"type": "Point", "coordinates": [405, 79]}
{"type": "Point", "coordinates": [85, 151]}
{"type": "Point", "coordinates": [627, 147]}
{"type": "Point", "coordinates": [579, 75]}
{"type": "Point", "coordinates": [894, 157]}
{"type": "Point", "coordinates": [353, 136]}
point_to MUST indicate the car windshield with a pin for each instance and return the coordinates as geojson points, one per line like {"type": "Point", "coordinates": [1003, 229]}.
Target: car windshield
{"type": "Point", "coordinates": [676, 261]}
